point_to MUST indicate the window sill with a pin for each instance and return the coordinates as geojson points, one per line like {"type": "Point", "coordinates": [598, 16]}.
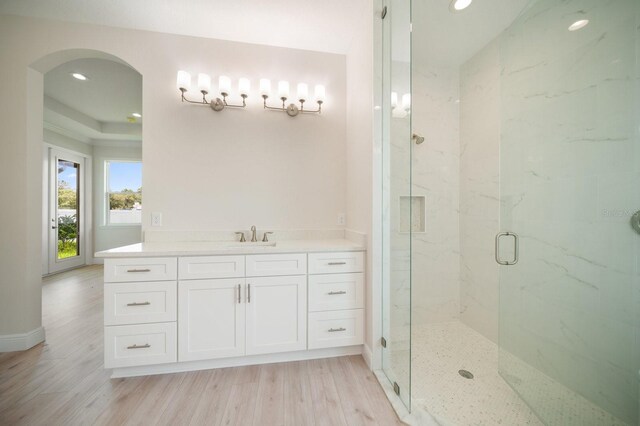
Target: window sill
{"type": "Point", "coordinates": [123, 226]}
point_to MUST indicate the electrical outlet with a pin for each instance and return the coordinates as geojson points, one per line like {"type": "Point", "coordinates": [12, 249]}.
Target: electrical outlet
{"type": "Point", "coordinates": [156, 219]}
{"type": "Point", "coordinates": [342, 220]}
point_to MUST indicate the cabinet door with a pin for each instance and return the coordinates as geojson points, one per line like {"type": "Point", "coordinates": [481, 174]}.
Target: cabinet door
{"type": "Point", "coordinates": [211, 319]}
{"type": "Point", "coordinates": [276, 314]}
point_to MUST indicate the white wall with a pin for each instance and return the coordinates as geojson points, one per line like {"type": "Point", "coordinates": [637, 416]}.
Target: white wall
{"type": "Point", "coordinates": [66, 142]}
{"type": "Point", "coordinates": [203, 170]}
{"type": "Point", "coordinates": [360, 143]}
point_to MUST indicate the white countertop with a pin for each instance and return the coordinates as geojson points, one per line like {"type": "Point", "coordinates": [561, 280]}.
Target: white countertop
{"type": "Point", "coordinates": [204, 248]}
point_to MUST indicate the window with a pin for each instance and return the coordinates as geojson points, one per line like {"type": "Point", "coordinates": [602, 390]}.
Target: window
{"type": "Point", "coordinates": [123, 192]}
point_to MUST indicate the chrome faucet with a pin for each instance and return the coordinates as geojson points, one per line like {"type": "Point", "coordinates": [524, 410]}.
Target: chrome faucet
{"type": "Point", "coordinates": [253, 234]}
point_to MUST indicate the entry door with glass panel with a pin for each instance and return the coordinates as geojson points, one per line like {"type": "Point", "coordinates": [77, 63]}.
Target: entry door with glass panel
{"type": "Point", "coordinates": [66, 211]}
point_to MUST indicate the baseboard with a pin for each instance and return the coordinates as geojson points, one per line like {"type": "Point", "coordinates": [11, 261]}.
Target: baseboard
{"type": "Point", "coordinates": [179, 367]}
{"type": "Point", "coordinates": [22, 341]}
{"type": "Point", "coordinates": [367, 355]}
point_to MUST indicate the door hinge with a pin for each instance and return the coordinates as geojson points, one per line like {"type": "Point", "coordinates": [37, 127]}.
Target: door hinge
{"type": "Point", "coordinates": [383, 342]}
{"type": "Point", "coordinates": [384, 12]}
{"type": "Point", "coordinates": [396, 388]}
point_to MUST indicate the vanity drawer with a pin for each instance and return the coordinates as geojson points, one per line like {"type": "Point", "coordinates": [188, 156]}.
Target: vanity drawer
{"type": "Point", "coordinates": [140, 269]}
{"type": "Point", "coordinates": [138, 303]}
{"type": "Point", "coordinates": [336, 291]}
{"type": "Point", "coordinates": [267, 265]}
{"type": "Point", "coordinates": [144, 344]}
{"type": "Point", "coordinates": [336, 328]}
{"type": "Point", "coordinates": [208, 267]}
{"type": "Point", "coordinates": [329, 263]}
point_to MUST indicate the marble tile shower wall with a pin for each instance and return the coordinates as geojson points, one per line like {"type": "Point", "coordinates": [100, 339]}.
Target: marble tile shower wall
{"type": "Point", "coordinates": [430, 170]}
{"type": "Point", "coordinates": [436, 176]}
{"type": "Point", "coordinates": [480, 189]}
{"type": "Point", "coordinates": [569, 178]}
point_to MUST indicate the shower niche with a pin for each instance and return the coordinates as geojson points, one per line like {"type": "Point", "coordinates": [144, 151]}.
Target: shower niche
{"type": "Point", "coordinates": [412, 213]}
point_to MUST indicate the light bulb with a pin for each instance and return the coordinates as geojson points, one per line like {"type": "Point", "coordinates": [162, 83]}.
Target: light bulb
{"type": "Point", "coordinates": [244, 85]}
{"type": "Point", "coordinates": [224, 84]}
{"type": "Point", "coordinates": [406, 101]}
{"type": "Point", "coordinates": [283, 89]}
{"type": "Point", "coordinates": [320, 93]}
{"type": "Point", "coordinates": [303, 91]}
{"type": "Point", "coordinates": [184, 80]}
{"type": "Point", "coordinates": [204, 83]}
{"type": "Point", "coordinates": [265, 87]}
{"type": "Point", "coordinates": [394, 99]}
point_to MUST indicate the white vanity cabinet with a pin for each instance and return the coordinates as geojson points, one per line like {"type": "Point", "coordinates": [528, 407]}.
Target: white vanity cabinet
{"type": "Point", "coordinates": [140, 311]}
{"type": "Point", "coordinates": [276, 314]}
{"type": "Point", "coordinates": [336, 299]}
{"type": "Point", "coordinates": [220, 318]}
{"type": "Point", "coordinates": [211, 321]}
{"type": "Point", "coordinates": [165, 314]}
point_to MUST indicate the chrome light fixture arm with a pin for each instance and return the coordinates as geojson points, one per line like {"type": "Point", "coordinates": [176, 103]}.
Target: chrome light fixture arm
{"type": "Point", "coordinates": [216, 104]}
{"type": "Point", "coordinates": [292, 109]}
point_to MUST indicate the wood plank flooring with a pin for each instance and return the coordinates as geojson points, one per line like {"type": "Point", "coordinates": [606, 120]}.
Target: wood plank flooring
{"type": "Point", "coordinates": [63, 382]}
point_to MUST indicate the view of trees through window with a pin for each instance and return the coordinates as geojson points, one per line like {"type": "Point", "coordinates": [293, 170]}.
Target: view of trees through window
{"type": "Point", "coordinates": [124, 192]}
{"type": "Point", "coordinates": [68, 209]}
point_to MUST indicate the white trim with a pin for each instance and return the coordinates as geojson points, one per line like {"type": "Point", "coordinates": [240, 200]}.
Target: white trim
{"type": "Point", "coordinates": [21, 341]}
{"type": "Point", "coordinates": [178, 367]}
{"type": "Point", "coordinates": [367, 355]}
{"type": "Point", "coordinates": [113, 143]}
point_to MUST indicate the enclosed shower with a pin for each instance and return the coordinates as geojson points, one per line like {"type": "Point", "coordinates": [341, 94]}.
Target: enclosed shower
{"type": "Point", "coordinates": [510, 186]}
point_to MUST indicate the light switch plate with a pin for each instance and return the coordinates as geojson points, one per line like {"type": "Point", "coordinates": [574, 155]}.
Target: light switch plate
{"type": "Point", "coordinates": [156, 219]}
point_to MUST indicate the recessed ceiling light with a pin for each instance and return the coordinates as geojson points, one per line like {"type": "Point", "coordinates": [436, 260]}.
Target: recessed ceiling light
{"type": "Point", "coordinates": [136, 114]}
{"type": "Point", "coordinates": [78, 76]}
{"type": "Point", "coordinates": [578, 25]}
{"type": "Point", "coordinates": [458, 5]}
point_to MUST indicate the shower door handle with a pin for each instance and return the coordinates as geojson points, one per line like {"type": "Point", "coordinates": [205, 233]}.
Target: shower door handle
{"type": "Point", "coordinates": [516, 244]}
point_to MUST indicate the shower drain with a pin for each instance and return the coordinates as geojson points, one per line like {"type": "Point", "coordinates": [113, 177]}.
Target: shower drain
{"type": "Point", "coordinates": [466, 374]}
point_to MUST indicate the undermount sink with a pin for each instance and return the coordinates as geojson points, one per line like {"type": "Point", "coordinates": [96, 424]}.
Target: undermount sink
{"type": "Point", "coordinates": [237, 244]}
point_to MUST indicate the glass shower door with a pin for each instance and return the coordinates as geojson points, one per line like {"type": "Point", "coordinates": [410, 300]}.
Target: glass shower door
{"type": "Point", "coordinates": [570, 179]}
{"type": "Point", "coordinates": [396, 190]}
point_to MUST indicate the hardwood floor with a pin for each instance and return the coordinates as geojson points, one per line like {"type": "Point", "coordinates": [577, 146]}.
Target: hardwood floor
{"type": "Point", "coordinates": [62, 381]}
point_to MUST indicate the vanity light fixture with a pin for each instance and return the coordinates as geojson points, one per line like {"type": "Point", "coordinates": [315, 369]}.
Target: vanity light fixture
{"type": "Point", "coordinates": [302, 94]}
{"type": "Point", "coordinates": [400, 110]}
{"type": "Point", "coordinates": [183, 84]}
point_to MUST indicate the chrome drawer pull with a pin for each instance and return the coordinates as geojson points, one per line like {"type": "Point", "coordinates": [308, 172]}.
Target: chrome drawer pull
{"type": "Point", "coordinates": [333, 330]}
{"type": "Point", "coordinates": [331, 293]}
{"type": "Point", "coordinates": [239, 299]}
{"type": "Point", "coordinates": [138, 304]}
{"type": "Point", "coordinates": [146, 345]}
{"type": "Point", "coordinates": [337, 263]}
{"type": "Point", "coordinates": [138, 270]}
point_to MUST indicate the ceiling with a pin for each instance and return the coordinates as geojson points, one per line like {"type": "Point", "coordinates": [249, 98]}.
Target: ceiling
{"type": "Point", "coordinates": [98, 108]}
{"type": "Point", "coordinates": [443, 38]}
{"type": "Point", "coordinates": [320, 25]}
